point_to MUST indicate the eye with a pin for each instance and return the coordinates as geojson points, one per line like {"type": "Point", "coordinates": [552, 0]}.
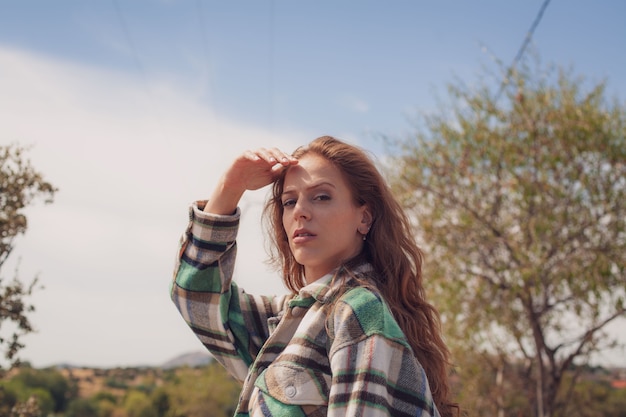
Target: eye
{"type": "Point", "coordinates": [289, 202]}
{"type": "Point", "coordinates": [321, 197]}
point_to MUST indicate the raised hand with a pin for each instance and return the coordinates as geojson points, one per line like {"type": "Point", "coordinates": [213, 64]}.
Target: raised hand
{"type": "Point", "coordinates": [256, 169]}
{"type": "Point", "coordinates": [249, 171]}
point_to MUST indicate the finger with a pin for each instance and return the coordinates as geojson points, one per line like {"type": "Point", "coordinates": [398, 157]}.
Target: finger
{"type": "Point", "coordinates": [251, 155]}
{"type": "Point", "coordinates": [277, 169]}
{"type": "Point", "coordinates": [268, 155]}
{"type": "Point", "coordinates": [275, 156]}
{"type": "Point", "coordinates": [282, 158]}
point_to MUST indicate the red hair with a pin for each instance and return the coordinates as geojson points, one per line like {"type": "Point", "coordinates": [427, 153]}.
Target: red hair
{"type": "Point", "coordinates": [389, 248]}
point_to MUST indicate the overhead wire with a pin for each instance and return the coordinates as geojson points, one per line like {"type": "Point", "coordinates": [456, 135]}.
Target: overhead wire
{"type": "Point", "coordinates": [206, 51]}
{"type": "Point", "coordinates": [137, 62]}
{"type": "Point", "coordinates": [522, 49]}
{"type": "Point", "coordinates": [271, 67]}
{"type": "Point", "coordinates": [129, 39]}
{"type": "Point", "coordinates": [207, 57]}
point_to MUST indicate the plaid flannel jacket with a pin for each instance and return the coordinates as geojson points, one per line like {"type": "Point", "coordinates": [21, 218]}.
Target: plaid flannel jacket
{"type": "Point", "coordinates": [306, 354]}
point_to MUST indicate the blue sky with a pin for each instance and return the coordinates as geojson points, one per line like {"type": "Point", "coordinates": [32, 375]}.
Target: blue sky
{"type": "Point", "coordinates": [134, 108]}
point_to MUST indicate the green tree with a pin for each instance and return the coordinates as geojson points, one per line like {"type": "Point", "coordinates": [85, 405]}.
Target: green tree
{"type": "Point", "coordinates": [82, 407]}
{"type": "Point", "coordinates": [161, 401]}
{"type": "Point", "coordinates": [20, 186]}
{"type": "Point", "coordinates": [138, 404]}
{"type": "Point", "coordinates": [196, 390]}
{"type": "Point", "coordinates": [60, 390]}
{"type": "Point", "coordinates": [8, 399]}
{"type": "Point", "coordinates": [106, 403]}
{"type": "Point", "coordinates": [520, 202]}
{"type": "Point", "coordinates": [30, 408]}
{"type": "Point", "coordinates": [616, 403]}
{"type": "Point", "coordinates": [593, 396]}
{"type": "Point", "coordinates": [48, 387]}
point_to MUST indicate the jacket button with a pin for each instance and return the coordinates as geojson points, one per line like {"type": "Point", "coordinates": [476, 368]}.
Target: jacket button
{"type": "Point", "coordinates": [290, 391]}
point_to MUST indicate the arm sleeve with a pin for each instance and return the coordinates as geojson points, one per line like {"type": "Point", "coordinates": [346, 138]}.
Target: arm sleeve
{"type": "Point", "coordinates": [231, 324]}
{"type": "Point", "coordinates": [374, 371]}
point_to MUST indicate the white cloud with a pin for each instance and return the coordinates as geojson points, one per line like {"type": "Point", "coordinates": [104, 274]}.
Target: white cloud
{"type": "Point", "coordinates": [128, 155]}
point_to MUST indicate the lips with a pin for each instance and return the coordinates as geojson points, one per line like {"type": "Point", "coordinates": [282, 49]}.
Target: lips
{"type": "Point", "coordinates": [302, 235]}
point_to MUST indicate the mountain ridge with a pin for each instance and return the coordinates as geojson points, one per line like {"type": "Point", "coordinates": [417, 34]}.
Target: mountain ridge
{"type": "Point", "coordinates": [191, 359]}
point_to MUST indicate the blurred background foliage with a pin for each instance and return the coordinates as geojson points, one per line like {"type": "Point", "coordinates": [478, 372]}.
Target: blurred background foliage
{"type": "Point", "coordinates": [118, 392]}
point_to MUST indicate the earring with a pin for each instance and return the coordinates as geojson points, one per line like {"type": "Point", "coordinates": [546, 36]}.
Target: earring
{"type": "Point", "coordinates": [365, 233]}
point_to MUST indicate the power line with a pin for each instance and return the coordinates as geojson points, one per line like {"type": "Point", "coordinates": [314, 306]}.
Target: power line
{"type": "Point", "coordinates": [208, 75]}
{"type": "Point", "coordinates": [129, 39]}
{"type": "Point", "coordinates": [271, 66]}
{"type": "Point", "coordinates": [522, 48]}
{"type": "Point", "coordinates": [204, 40]}
{"type": "Point", "coordinates": [140, 68]}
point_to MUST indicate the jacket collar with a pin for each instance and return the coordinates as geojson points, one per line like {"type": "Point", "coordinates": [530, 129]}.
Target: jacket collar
{"type": "Point", "coordinates": [327, 286]}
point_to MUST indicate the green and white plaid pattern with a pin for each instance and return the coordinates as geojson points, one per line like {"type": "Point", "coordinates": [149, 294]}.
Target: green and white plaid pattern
{"type": "Point", "coordinates": [306, 354]}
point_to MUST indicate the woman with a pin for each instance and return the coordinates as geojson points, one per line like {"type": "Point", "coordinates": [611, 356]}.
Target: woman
{"type": "Point", "coordinates": [356, 336]}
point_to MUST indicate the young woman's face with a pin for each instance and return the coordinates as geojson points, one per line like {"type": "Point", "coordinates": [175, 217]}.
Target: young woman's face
{"type": "Point", "coordinates": [320, 217]}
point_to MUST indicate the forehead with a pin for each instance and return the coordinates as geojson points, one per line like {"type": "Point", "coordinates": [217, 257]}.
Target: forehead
{"type": "Point", "coordinates": [311, 170]}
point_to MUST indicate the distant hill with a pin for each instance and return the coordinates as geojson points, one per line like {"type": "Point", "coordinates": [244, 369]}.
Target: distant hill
{"type": "Point", "coordinates": [191, 359]}
{"type": "Point", "coordinates": [118, 380]}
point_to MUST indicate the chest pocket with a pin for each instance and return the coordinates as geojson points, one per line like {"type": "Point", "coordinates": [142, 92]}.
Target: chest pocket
{"type": "Point", "coordinates": [293, 384]}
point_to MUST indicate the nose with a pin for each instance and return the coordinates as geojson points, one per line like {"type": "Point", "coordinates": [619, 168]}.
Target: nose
{"type": "Point", "coordinates": [301, 210]}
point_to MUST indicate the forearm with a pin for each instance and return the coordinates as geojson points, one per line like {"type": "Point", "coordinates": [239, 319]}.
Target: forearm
{"type": "Point", "coordinates": [207, 252]}
{"type": "Point", "coordinates": [229, 322]}
{"type": "Point", "coordinates": [202, 283]}
{"type": "Point", "coordinates": [224, 199]}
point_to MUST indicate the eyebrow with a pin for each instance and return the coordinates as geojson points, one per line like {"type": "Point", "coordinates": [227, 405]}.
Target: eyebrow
{"type": "Point", "coordinates": [312, 187]}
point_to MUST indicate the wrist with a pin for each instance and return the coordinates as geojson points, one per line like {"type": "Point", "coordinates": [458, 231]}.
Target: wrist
{"type": "Point", "coordinates": [224, 199]}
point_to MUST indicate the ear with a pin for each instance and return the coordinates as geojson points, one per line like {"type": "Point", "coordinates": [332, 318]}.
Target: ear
{"type": "Point", "coordinates": [366, 217]}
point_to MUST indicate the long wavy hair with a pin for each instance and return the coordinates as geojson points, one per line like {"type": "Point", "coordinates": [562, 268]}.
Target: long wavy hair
{"type": "Point", "coordinates": [389, 248]}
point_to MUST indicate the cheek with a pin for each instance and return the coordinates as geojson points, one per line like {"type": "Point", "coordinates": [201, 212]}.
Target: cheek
{"type": "Point", "coordinates": [286, 222]}
{"type": "Point", "coordinates": [342, 226]}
